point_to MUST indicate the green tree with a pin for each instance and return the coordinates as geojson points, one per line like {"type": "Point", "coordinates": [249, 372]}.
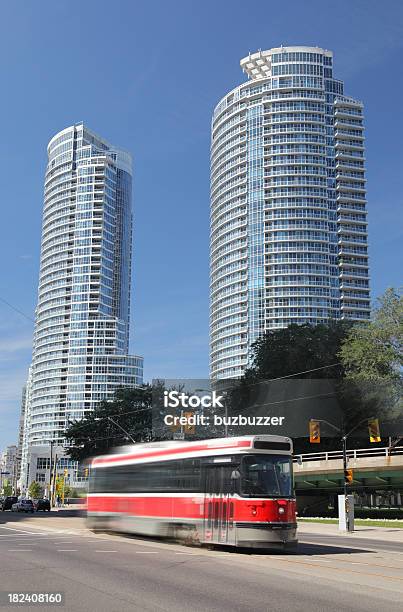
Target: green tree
{"type": "Point", "coordinates": [7, 488]}
{"type": "Point", "coordinates": [62, 486]}
{"type": "Point", "coordinates": [289, 366]}
{"type": "Point", "coordinates": [131, 409]}
{"type": "Point", "coordinates": [299, 348]}
{"type": "Point", "coordinates": [35, 490]}
{"type": "Point", "coordinates": [372, 358]}
{"type": "Point", "coordinates": [59, 485]}
{"type": "Point", "coordinates": [81, 492]}
{"type": "Point", "coordinates": [373, 351]}
{"type": "Point", "coordinates": [281, 358]}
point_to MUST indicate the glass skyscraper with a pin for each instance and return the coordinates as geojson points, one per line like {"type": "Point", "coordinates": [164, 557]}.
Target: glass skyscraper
{"type": "Point", "coordinates": [81, 338]}
{"type": "Point", "coordinates": [288, 208]}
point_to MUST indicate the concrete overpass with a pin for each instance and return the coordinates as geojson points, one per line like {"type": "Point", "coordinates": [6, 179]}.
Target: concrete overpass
{"type": "Point", "coordinates": [373, 468]}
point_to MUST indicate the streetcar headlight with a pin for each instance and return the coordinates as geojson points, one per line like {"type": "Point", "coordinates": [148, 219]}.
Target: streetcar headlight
{"type": "Point", "coordinates": [281, 510]}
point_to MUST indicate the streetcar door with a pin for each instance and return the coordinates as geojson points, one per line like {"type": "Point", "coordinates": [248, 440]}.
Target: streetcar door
{"type": "Point", "coordinates": [218, 505]}
{"type": "Point", "coordinates": [210, 499]}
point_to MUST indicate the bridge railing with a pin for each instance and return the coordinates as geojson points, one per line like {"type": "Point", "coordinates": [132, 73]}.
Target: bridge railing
{"type": "Point", "coordinates": [355, 453]}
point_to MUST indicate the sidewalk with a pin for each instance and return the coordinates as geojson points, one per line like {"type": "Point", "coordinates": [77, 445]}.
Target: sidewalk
{"type": "Point", "coordinates": [384, 534]}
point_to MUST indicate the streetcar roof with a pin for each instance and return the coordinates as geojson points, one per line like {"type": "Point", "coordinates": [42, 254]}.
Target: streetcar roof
{"type": "Point", "coordinates": [174, 449]}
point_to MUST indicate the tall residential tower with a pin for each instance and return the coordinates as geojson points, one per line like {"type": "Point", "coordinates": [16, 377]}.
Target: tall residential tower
{"type": "Point", "coordinates": [81, 338]}
{"type": "Point", "coordinates": [288, 207]}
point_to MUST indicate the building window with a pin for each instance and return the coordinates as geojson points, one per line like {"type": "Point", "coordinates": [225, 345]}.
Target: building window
{"type": "Point", "coordinates": [43, 463]}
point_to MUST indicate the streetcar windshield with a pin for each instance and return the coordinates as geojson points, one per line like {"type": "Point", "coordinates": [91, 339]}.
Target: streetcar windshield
{"type": "Point", "coordinates": [269, 475]}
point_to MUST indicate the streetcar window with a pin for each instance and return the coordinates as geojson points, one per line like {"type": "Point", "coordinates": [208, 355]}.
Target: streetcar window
{"type": "Point", "coordinates": [211, 480]}
{"type": "Point", "coordinates": [218, 479]}
{"type": "Point", "coordinates": [189, 475]}
{"type": "Point", "coordinates": [175, 476]}
{"type": "Point", "coordinates": [272, 445]}
{"type": "Point", "coordinates": [266, 475]}
{"type": "Point", "coordinates": [227, 484]}
{"type": "Point", "coordinates": [97, 481]}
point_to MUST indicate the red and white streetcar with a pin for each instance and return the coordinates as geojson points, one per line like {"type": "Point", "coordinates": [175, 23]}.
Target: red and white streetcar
{"type": "Point", "coordinates": [232, 491]}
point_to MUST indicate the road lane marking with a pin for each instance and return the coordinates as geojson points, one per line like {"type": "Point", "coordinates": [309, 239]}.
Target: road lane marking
{"type": "Point", "coordinates": [21, 532]}
{"type": "Point", "coordinates": [146, 552]}
{"type": "Point", "coordinates": [186, 553]}
{"type": "Point", "coordinates": [21, 539]}
{"type": "Point", "coordinates": [106, 551]}
{"type": "Point", "coordinates": [20, 550]}
{"type": "Point", "coordinates": [45, 530]}
{"type": "Point", "coordinates": [67, 550]}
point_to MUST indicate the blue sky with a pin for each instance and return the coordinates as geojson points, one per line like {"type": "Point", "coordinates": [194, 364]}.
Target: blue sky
{"type": "Point", "coordinates": [146, 76]}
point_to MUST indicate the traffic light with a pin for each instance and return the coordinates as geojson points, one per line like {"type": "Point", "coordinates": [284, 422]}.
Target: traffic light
{"type": "Point", "coordinates": [348, 476]}
{"type": "Point", "coordinates": [65, 472]}
{"type": "Point", "coordinates": [373, 430]}
{"type": "Point", "coordinates": [174, 428]}
{"type": "Point", "coordinates": [86, 472]}
{"type": "Point", "coordinates": [314, 431]}
{"type": "Point", "coordinates": [189, 429]}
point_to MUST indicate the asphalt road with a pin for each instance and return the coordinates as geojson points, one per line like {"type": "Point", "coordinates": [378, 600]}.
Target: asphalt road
{"type": "Point", "coordinates": [55, 553]}
{"type": "Point", "coordinates": [339, 540]}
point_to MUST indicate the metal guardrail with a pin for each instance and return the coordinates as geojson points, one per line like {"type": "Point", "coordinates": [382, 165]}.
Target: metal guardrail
{"type": "Point", "coordinates": [355, 453]}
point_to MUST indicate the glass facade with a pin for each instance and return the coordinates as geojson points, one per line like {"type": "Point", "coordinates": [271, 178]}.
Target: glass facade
{"type": "Point", "coordinates": [81, 338]}
{"type": "Point", "coordinates": [288, 208]}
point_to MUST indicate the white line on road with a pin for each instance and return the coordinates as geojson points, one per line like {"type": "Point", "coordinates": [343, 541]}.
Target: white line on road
{"type": "Point", "coordinates": [22, 539]}
{"type": "Point", "coordinates": [20, 550]}
{"type": "Point", "coordinates": [21, 532]}
{"type": "Point", "coordinates": [354, 562]}
{"type": "Point", "coordinates": [106, 551]}
{"type": "Point", "coordinates": [16, 535]}
{"type": "Point", "coordinates": [146, 552]}
{"type": "Point", "coordinates": [67, 550]}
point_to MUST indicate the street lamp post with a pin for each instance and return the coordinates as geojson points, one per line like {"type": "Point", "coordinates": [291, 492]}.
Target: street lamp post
{"type": "Point", "coordinates": [344, 440]}
{"type": "Point", "coordinates": [51, 473]}
{"type": "Point", "coordinates": [15, 477]}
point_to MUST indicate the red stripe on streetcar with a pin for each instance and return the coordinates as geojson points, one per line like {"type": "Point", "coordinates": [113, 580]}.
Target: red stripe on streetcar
{"type": "Point", "coordinates": [193, 507]}
{"type": "Point", "coordinates": [172, 451]}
